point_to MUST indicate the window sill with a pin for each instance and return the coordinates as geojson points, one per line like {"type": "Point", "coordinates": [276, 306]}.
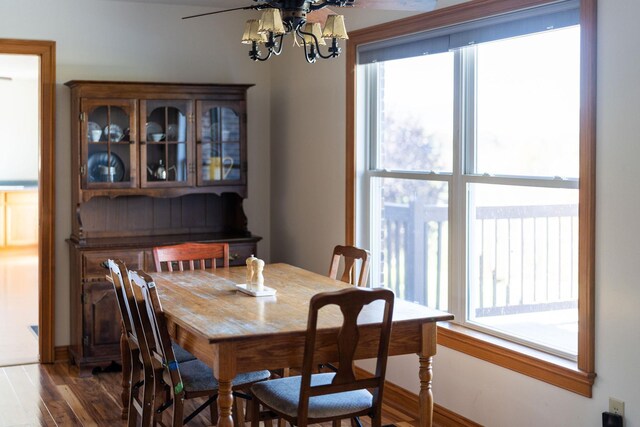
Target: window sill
{"type": "Point", "coordinates": [536, 364]}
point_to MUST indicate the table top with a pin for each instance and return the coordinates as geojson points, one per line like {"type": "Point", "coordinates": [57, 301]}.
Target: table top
{"type": "Point", "coordinates": [208, 304]}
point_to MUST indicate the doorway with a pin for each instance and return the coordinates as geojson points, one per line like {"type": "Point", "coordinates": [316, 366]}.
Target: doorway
{"type": "Point", "coordinates": [27, 198]}
{"type": "Point", "coordinates": [19, 161]}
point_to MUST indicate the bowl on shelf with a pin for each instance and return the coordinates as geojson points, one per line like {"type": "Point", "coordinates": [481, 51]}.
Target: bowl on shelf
{"type": "Point", "coordinates": [156, 137]}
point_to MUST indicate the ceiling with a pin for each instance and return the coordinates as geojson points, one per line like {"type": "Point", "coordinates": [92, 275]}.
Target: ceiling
{"type": "Point", "coordinates": [218, 4]}
{"type": "Point", "coordinates": [422, 5]}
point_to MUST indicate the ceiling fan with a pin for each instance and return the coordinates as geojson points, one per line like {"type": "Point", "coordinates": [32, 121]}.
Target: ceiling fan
{"type": "Point", "coordinates": [303, 19]}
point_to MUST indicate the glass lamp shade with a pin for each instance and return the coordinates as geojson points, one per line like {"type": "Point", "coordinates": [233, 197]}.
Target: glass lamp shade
{"type": "Point", "coordinates": [313, 28]}
{"type": "Point", "coordinates": [334, 28]}
{"type": "Point", "coordinates": [271, 22]}
{"type": "Point", "coordinates": [251, 33]}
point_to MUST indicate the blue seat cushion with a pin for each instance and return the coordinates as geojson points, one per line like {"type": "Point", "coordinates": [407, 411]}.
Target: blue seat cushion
{"type": "Point", "coordinates": [181, 354]}
{"type": "Point", "coordinates": [283, 395]}
{"type": "Point", "coordinates": [197, 376]}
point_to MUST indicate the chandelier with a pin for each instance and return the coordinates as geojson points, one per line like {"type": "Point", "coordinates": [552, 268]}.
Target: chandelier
{"type": "Point", "coordinates": [269, 31]}
{"type": "Point", "coordinates": [300, 18]}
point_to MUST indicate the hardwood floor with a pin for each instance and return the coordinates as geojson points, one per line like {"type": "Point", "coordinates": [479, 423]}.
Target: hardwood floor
{"type": "Point", "coordinates": [18, 306]}
{"type": "Point", "coordinates": [54, 395]}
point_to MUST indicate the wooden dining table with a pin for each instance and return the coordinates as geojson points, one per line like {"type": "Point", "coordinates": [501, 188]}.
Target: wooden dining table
{"type": "Point", "coordinates": [234, 332]}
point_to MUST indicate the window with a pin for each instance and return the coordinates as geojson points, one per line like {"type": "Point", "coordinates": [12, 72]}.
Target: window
{"type": "Point", "coordinates": [468, 173]}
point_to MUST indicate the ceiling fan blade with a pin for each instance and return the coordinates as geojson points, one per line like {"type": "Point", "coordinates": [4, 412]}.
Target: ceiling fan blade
{"type": "Point", "coordinates": [319, 16]}
{"type": "Point", "coordinates": [418, 5]}
{"type": "Point", "coordinates": [255, 7]}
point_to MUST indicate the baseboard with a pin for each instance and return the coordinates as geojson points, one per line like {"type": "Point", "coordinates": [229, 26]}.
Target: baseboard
{"type": "Point", "coordinates": [398, 397]}
{"type": "Point", "coordinates": [61, 354]}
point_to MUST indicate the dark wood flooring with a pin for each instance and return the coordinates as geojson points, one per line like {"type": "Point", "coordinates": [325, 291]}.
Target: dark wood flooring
{"type": "Point", "coordinates": [54, 395]}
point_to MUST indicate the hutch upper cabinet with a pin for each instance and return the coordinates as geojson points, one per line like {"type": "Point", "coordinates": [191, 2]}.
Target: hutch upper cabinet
{"type": "Point", "coordinates": [153, 164]}
{"type": "Point", "coordinates": [144, 139]}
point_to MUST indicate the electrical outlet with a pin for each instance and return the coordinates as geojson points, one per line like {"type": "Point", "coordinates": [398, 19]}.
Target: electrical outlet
{"type": "Point", "coordinates": [616, 406]}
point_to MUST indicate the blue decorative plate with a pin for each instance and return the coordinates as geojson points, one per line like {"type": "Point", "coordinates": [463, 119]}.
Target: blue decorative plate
{"type": "Point", "coordinates": [102, 167]}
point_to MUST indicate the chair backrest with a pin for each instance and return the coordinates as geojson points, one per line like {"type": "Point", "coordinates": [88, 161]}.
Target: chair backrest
{"type": "Point", "coordinates": [350, 255]}
{"type": "Point", "coordinates": [116, 267]}
{"type": "Point", "coordinates": [194, 255]}
{"type": "Point", "coordinates": [351, 302]}
{"type": "Point", "coordinates": [128, 309]}
{"type": "Point", "coordinates": [153, 318]}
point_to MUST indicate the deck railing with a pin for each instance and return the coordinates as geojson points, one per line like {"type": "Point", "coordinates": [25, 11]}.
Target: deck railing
{"type": "Point", "coordinates": [524, 258]}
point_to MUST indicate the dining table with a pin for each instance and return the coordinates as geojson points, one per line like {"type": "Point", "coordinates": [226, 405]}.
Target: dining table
{"type": "Point", "coordinates": [234, 332]}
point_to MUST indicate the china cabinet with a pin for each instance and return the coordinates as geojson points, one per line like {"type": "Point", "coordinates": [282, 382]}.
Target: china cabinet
{"type": "Point", "coordinates": [154, 164]}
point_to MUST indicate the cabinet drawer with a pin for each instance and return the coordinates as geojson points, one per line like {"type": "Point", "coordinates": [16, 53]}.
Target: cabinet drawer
{"type": "Point", "coordinates": [239, 252]}
{"type": "Point", "coordinates": [92, 262]}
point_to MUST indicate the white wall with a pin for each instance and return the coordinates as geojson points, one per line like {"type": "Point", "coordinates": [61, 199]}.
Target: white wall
{"type": "Point", "coordinates": [308, 176]}
{"type": "Point", "coordinates": [103, 40]}
{"type": "Point", "coordinates": [19, 136]}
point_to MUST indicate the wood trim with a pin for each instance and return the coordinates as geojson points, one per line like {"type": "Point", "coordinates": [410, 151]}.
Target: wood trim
{"type": "Point", "coordinates": [580, 380]}
{"type": "Point", "coordinates": [351, 138]}
{"type": "Point", "coordinates": [587, 201]}
{"type": "Point", "coordinates": [62, 353]}
{"type": "Point", "coordinates": [541, 366]}
{"type": "Point", "coordinates": [469, 11]}
{"type": "Point", "coordinates": [408, 403]}
{"type": "Point", "coordinates": [46, 50]}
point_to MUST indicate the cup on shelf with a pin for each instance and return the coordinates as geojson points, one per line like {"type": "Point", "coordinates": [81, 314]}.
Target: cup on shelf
{"type": "Point", "coordinates": [95, 135]}
{"type": "Point", "coordinates": [220, 167]}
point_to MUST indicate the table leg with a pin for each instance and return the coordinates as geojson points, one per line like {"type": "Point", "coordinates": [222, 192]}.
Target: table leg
{"type": "Point", "coordinates": [125, 354]}
{"type": "Point", "coordinates": [225, 370]}
{"type": "Point", "coordinates": [429, 339]}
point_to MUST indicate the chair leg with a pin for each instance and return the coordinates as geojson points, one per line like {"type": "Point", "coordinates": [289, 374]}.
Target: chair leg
{"type": "Point", "coordinates": [213, 412]}
{"type": "Point", "coordinates": [376, 421]}
{"type": "Point", "coordinates": [160, 396]}
{"type": "Point", "coordinates": [255, 412]}
{"type": "Point", "coordinates": [238, 412]}
{"type": "Point", "coordinates": [147, 400]}
{"type": "Point", "coordinates": [132, 413]}
{"type": "Point", "coordinates": [178, 410]}
{"type": "Point", "coordinates": [336, 423]}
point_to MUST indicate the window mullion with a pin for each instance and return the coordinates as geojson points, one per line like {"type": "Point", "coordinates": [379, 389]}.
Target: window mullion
{"type": "Point", "coordinates": [468, 146]}
{"type": "Point", "coordinates": [456, 199]}
{"type": "Point", "coordinates": [464, 162]}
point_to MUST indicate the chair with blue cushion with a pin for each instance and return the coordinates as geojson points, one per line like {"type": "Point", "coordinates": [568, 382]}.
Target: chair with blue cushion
{"type": "Point", "coordinates": [186, 380]}
{"type": "Point", "coordinates": [139, 375]}
{"type": "Point", "coordinates": [315, 398]}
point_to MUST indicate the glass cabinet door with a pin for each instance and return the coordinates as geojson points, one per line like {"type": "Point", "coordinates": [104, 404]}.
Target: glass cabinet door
{"type": "Point", "coordinates": [165, 143]}
{"type": "Point", "coordinates": [220, 143]}
{"type": "Point", "coordinates": [108, 144]}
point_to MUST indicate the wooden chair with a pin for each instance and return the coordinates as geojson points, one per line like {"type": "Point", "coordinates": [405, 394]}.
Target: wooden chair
{"type": "Point", "coordinates": [350, 255]}
{"type": "Point", "coordinates": [311, 398]}
{"type": "Point", "coordinates": [141, 373]}
{"type": "Point", "coordinates": [141, 376]}
{"type": "Point", "coordinates": [187, 380]}
{"type": "Point", "coordinates": [194, 255]}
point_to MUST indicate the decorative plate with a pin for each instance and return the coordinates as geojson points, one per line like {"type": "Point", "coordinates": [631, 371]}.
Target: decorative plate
{"type": "Point", "coordinates": [113, 132]}
{"type": "Point", "coordinates": [172, 132]}
{"type": "Point", "coordinates": [91, 126]}
{"type": "Point", "coordinates": [153, 127]}
{"type": "Point", "coordinates": [99, 161]}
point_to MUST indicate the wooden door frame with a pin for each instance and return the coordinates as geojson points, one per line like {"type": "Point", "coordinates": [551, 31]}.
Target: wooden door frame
{"type": "Point", "coordinates": [46, 51]}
